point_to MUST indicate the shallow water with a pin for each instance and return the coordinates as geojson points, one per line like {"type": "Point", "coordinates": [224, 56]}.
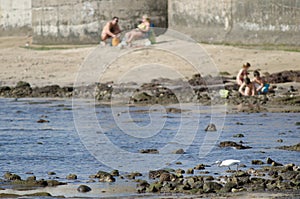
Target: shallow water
{"type": "Point", "coordinates": [60, 145]}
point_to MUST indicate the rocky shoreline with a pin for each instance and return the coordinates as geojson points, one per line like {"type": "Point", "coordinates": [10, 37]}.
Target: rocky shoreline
{"type": "Point", "coordinates": [198, 89]}
{"type": "Point", "coordinates": [272, 177]}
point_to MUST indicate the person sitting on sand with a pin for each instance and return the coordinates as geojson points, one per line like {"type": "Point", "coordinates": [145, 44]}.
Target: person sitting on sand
{"type": "Point", "coordinates": [140, 32]}
{"type": "Point", "coordinates": [247, 88]}
{"type": "Point", "coordinates": [243, 73]}
{"type": "Point", "coordinates": [259, 83]}
{"type": "Point", "coordinates": [111, 29]}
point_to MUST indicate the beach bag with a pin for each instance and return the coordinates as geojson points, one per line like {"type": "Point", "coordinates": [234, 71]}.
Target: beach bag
{"type": "Point", "coordinates": [115, 41]}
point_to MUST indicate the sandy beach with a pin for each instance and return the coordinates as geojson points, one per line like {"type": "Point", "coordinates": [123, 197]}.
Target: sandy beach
{"type": "Point", "coordinates": [47, 65]}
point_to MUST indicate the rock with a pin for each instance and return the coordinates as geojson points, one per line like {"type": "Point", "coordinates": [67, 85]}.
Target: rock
{"type": "Point", "coordinates": [133, 175]}
{"type": "Point", "coordinates": [155, 187]}
{"type": "Point", "coordinates": [178, 151]}
{"type": "Point", "coordinates": [209, 178]}
{"type": "Point", "coordinates": [233, 144]}
{"type": "Point", "coordinates": [291, 148]}
{"type": "Point", "coordinates": [31, 179]}
{"type": "Point", "coordinates": [142, 186]}
{"type": "Point", "coordinates": [211, 187]}
{"type": "Point", "coordinates": [51, 173]}
{"type": "Point", "coordinates": [211, 127]}
{"type": "Point", "coordinates": [283, 77]}
{"type": "Point", "coordinates": [115, 173]}
{"type": "Point", "coordinates": [156, 173]}
{"type": "Point", "coordinates": [83, 189]}
{"type": "Point", "coordinates": [71, 177]}
{"type": "Point", "coordinates": [173, 110]}
{"type": "Point", "coordinates": [229, 186]}
{"type": "Point", "coordinates": [239, 135]}
{"type": "Point", "coordinates": [104, 177]}
{"type": "Point", "coordinates": [257, 162]}
{"type": "Point", "coordinates": [179, 171]}
{"type": "Point", "coordinates": [11, 176]}
{"type": "Point", "coordinates": [151, 151]}
{"type": "Point", "coordinates": [190, 171]}
{"type": "Point", "coordinates": [199, 167]}
{"type": "Point", "coordinates": [42, 121]}
{"type": "Point", "coordinates": [54, 183]}
{"type": "Point", "coordinates": [167, 177]}
{"type": "Point", "coordinates": [270, 161]}
{"type": "Point", "coordinates": [241, 174]}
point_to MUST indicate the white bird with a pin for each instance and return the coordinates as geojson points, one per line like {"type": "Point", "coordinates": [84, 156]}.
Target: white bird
{"type": "Point", "coordinates": [228, 163]}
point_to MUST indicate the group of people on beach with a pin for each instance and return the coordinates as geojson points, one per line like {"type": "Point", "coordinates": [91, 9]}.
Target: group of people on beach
{"type": "Point", "coordinates": [252, 87]}
{"type": "Point", "coordinates": [113, 30]}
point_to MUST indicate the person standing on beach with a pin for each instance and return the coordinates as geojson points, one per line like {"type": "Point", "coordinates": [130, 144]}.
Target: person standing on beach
{"type": "Point", "coordinates": [243, 73]}
{"type": "Point", "coordinates": [111, 29]}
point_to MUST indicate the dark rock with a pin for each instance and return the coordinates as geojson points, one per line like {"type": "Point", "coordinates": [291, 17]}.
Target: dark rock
{"type": "Point", "coordinates": [257, 162]}
{"type": "Point", "coordinates": [155, 187]}
{"type": "Point", "coordinates": [270, 161]}
{"type": "Point", "coordinates": [115, 173]}
{"type": "Point", "coordinates": [289, 175]}
{"type": "Point", "coordinates": [11, 176]}
{"type": "Point", "coordinates": [31, 179]}
{"type": "Point", "coordinates": [283, 77]}
{"type": "Point", "coordinates": [211, 127]}
{"type": "Point", "coordinates": [51, 173]}
{"type": "Point", "coordinates": [53, 183]}
{"type": "Point", "coordinates": [229, 186]}
{"type": "Point", "coordinates": [209, 178]}
{"type": "Point", "coordinates": [156, 173]}
{"type": "Point", "coordinates": [104, 177]}
{"type": "Point", "coordinates": [173, 110]}
{"type": "Point", "coordinates": [241, 174]}
{"type": "Point", "coordinates": [238, 135]}
{"type": "Point", "coordinates": [273, 174]}
{"type": "Point", "coordinates": [233, 144]}
{"type": "Point", "coordinates": [291, 148]}
{"type": "Point", "coordinates": [178, 151]}
{"type": "Point", "coordinates": [151, 151]}
{"type": "Point", "coordinates": [189, 171]}
{"type": "Point", "coordinates": [180, 171]}
{"type": "Point", "coordinates": [211, 187]}
{"type": "Point", "coordinates": [42, 121]}
{"type": "Point", "coordinates": [167, 177]}
{"type": "Point", "coordinates": [142, 186]}
{"type": "Point", "coordinates": [71, 177]}
{"type": "Point", "coordinates": [133, 175]}
{"type": "Point", "coordinates": [83, 189]}
{"type": "Point", "coordinates": [199, 167]}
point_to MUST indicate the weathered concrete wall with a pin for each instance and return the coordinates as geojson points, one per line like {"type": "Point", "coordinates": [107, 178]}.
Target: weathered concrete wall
{"type": "Point", "coordinates": [81, 21]}
{"type": "Point", "coordinates": [15, 17]}
{"type": "Point", "coordinates": [238, 21]}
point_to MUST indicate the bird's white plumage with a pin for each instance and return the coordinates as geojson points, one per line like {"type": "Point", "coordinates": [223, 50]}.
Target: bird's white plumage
{"type": "Point", "coordinates": [228, 163]}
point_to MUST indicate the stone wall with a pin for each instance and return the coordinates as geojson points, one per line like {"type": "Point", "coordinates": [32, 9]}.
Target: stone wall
{"type": "Point", "coordinates": [238, 21]}
{"type": "Point", "coordinates": [15, 17]}
{"type": "Point", "coordinates": [81, 21]}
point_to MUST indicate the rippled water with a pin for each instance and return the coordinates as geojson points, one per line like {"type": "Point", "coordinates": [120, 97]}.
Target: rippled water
{"type": "Point", "coordinates": [61, 144]}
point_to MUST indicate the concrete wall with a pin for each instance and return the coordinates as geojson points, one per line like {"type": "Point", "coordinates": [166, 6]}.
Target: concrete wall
{"type": "Point", "coordinates": [15, 17]}
{"type": "Point", "coordinates": [238, 21]}
{"type": "Point", "coordinates": [81, 21]}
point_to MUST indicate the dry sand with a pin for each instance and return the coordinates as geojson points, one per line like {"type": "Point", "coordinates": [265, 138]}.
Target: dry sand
{"type": "Point", "coordinates": [61, 66]}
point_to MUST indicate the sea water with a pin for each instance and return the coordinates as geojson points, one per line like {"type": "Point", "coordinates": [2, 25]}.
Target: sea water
{"type": "Point", "coordinates": [73, 136]}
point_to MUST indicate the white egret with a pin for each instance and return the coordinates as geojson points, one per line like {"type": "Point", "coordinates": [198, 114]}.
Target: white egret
{"type": "Point", "coordinates": [228, 163]}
